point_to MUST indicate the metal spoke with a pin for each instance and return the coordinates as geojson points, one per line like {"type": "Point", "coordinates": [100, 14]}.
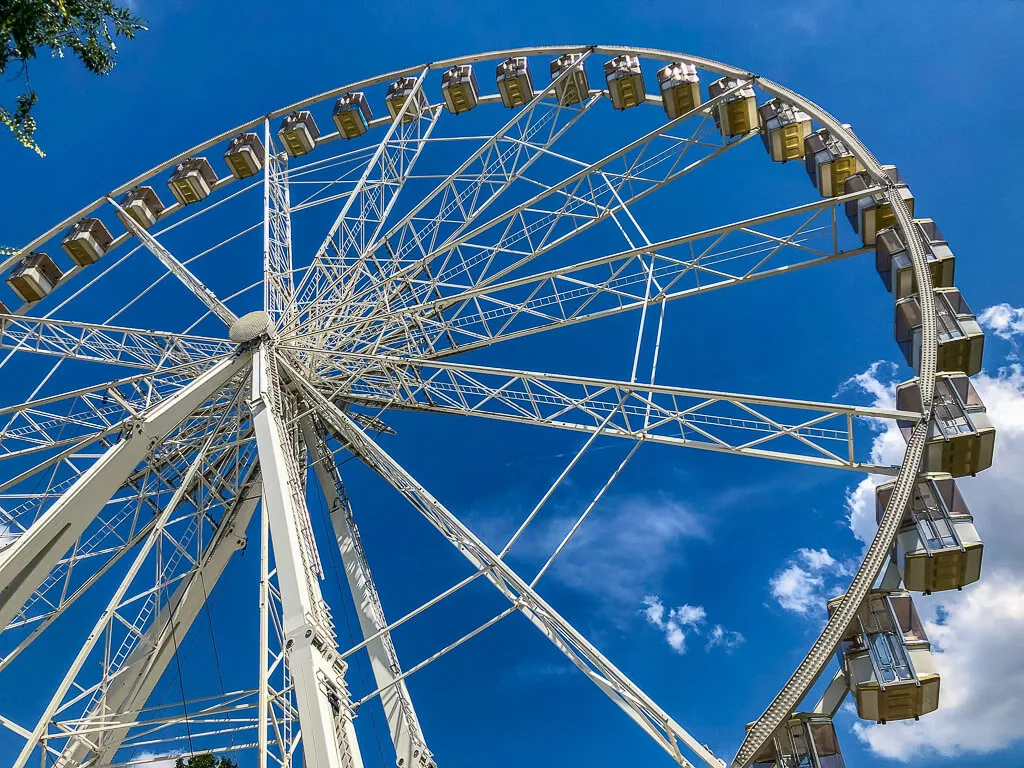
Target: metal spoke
{"type": "Point", "coordinates": [278, 285]}
{"type": "Point", "coordinates": [465, 194]}
{"type": "Point", "coordinates": [368, 207]}
{"type": "Point", "coordinates": [111, 719]}
{"type": "Point", "coordinates": [135, 620]}
{"type": "Point", "coordinates": [403, 724]}
{"type": "Point", "coordinates": [657, 723]}
{"type": "Point", "coordinates": [129, 347]}
{"type": "Point", "coordinates": [586, 512]}
{"type": "Point", "coordinates": [465, 319]}
{"type": "Point", "coordinates": [25, 563]}
{"type": "Point", "coordinates": [580, 200]}
{"type": "Point", "coordinates": [175, 267]}
{"type": "Point", "coordinates": [450, 236]}
{"type": "Point", "coordinates": [709, 420]}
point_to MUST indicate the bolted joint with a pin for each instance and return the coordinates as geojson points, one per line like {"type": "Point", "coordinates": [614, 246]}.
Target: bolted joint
{"type": "Point", "coordinates": [134, 426]}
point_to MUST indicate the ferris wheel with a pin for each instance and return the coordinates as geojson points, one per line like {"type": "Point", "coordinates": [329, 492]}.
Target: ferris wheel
{"type": "Point", "coordinates": [413, 227]}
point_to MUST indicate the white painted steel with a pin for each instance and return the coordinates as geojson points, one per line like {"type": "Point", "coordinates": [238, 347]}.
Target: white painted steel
{"type": "Point", "coordinates": [179, 270]}
{"type": "Point", "coordinates": [107, 723]}
{"type": "Point", "coordinates": [109, 615]}
{"type": "Point", "coordinates": [25, 563]}
{"type": "Point", "coordinates": [358, 329]}
{"type": "Point", "coordinates": [328, 734]}
{"type": "Point", "coordinates": [403, 724]}
{"type": "Point", "coordinates": [658, 724]}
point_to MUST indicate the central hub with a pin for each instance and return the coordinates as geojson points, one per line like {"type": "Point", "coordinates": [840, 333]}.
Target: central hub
{"type": "Point", "coordinates": [249, 327]}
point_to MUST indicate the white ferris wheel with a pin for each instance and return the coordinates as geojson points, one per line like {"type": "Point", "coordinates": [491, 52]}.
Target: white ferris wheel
{"type": "Point", "coordinates": [401, 248]}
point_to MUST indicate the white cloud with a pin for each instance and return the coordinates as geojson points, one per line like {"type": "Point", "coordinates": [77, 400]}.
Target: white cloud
{"type": "Point", "coordinates": [720, 636]}
{"type": "Point", "coordinates": [679, 623]}
{"type": "Point", "coordinates": [675, 622]}
{"type": "Point", "coordinates": [976, 634]}
{"type": "Point", "coordinates": [688, 615]}
{"type": "Point", "coordinates": [1003, 320]}
{"type": "Point", "coordinates": [621, 552]}
{"type": "Point", "coordinates": [655, 611]}
{"type": "Point", "coordinates": [887, 448]}
{"type": "Point", "coordinates": [807, 580]}
{"type": "Point", "coordinates": [881, 388]}
{"type": "Point", "coordinates": [817, 559]}
{"type": "Point", "coordinates": [797, 590]}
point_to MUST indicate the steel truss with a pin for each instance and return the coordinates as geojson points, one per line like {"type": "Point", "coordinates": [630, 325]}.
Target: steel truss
{"type": "Point", "coordinates": [567, 639]}
{"type": "Point", "coordinates": [461, 320]}
{"type": "Point", "coordinates": [403, 725]}
{"type": "Point", "coordinates": [277, 234]}
{"type": "Point", "coordinates": [719, 421]}
{"type": "Point", "coordinates": [151, 479]}
{"type": "Point", "coordinates": [318, 675]}
{"type": "Point", "coordinates": [129, 347]}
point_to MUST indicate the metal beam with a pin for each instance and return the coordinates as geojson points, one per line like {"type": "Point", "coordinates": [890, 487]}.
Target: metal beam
{"type": "Point", "coordinates": [325, 711]}
{"type": "Point", "coordinates": [403, 725]}
{"type": "Point", "coordinates": [278, 285]}
{"type": "Point", "coordinates": [799, 431]}
{"type": "Point", "coordinates": [110, 613]}
{"type": "Point", "coordinates": [176, 268]}
{"type": "Point", "coordinates": [127, 695]}
{"type": "Point", "coordinates": [130, 347]}
{"type": "Point", "coordinates": [624, 692]}
{"type": "Point", "coordinates": [368, 205]}
{"type": "Point", "coordinates": [26, 563]}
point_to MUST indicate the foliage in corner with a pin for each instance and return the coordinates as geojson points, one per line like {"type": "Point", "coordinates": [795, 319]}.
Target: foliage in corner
{"type": "Point", "coordinates": [205, 761]}
{"type": "Point", "coordinates": [85, 29]}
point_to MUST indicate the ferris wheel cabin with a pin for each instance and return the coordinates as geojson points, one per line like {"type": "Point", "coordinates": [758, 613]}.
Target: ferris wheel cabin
{"type": "Point", "coordinates": [402, 90]}
{"type": "Point", "coordinates": [87, 241]}
{"type": "Point", "coordinates": [143, 205]}
{"type": "Point", "coordinates": [872, 213]}
{"type": "Point", "coordinates": [961, 340]}
{"type": "Point", "coordinates": [298, 133]}
{"type": "Point", "coordinates": [679, 84]}
{"type": "Point", "coordinates": [574, 87]}
{"type": "Point", "coordinates": [784, 130]}
{"type": "Point", "coordinates": [937, 548]}
{"type": "Point", "coordinates": [459, 88]}
{"type": "Point", "coordinates": [244, 155]}
{"type": "Point", "coordinates": [352, 115]}
{"type": "Point", "coordinates": [806, 741]}
{"type": "Point", "coordinates": [892, 260]}
{"type": "Point", "coordinates": [625, 82]}
{"type": "Point", "coordinates": [828, 162]}
{"type": "Point", "coordinates": [961, 437]}
{"type": "Point", "coordinates": [192, 180]}
{"type": "Point", "coordinates": [736, 114]}
{"type": "Point", "coordinates": [515, 84]}
{"type": "Point", "coordinates": [34, 277]}
{"type": "Point", "coordinates": [887, 659]}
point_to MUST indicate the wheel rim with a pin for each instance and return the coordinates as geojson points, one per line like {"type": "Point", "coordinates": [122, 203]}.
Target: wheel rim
{"type": "Point", "coordinates": [362, 347]}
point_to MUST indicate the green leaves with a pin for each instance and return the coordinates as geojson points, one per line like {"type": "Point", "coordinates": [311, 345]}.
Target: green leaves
{"type": "Point", "coordinates": [21, 122]}
{"type": "Point", "coordinates": [205, 761]}
{"type": "Point", "coordinates": [85, 29]}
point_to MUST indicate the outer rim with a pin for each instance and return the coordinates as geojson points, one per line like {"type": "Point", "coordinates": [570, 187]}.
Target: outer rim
{"type": "Point", "coordinates": [811, 667]}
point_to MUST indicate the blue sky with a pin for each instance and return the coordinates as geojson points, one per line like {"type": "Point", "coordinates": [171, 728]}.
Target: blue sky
{"type": "Point", "coordinates": [747, 546]}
